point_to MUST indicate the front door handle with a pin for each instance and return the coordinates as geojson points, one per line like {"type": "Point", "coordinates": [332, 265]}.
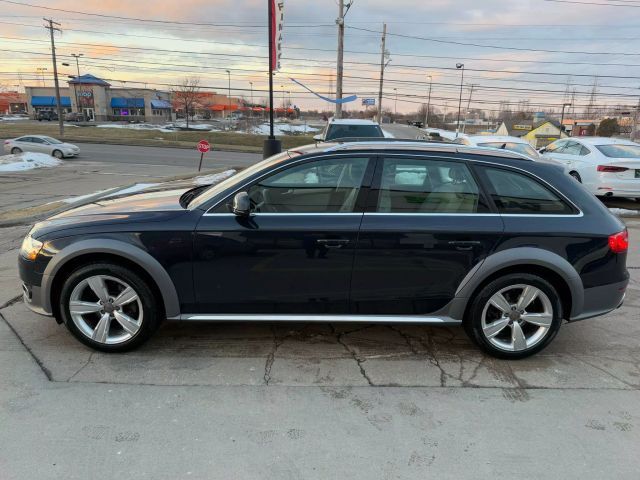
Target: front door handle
{"type": "Point", "coordinates": [465, 244]}
{"type": "Point", "coordinates": [332, 242]}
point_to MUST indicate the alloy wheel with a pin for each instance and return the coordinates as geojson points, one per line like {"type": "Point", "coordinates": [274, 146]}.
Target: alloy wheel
{"type": "Point", "coordinates": [106, 309]}
{"type": "Point", "coordinates": [517, 317]}
{"type": "Point", "coordinates": [58, 154]}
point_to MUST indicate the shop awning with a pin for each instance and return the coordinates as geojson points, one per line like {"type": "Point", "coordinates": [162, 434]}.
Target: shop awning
{"type": "Point", "coordinates": [45, 101]}
{"type": "Point", "coordinates": [120, 102]}
{"type": "Point", "coordinates": [160, 104]}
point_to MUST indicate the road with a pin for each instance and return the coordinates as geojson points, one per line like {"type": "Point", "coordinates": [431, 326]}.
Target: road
{"type": "Point", "coordinates": [177, 157]}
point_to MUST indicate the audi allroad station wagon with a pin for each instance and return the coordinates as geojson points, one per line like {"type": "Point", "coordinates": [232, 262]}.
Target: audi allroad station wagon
{"type": "Point", "coordinates": [375, 231]}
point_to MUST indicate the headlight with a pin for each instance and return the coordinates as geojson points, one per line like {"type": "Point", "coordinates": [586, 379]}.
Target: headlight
{"type": "Point", "coordinates": [30, 248]}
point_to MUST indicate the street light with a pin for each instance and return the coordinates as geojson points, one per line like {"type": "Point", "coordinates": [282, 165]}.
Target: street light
{"type": "Point", "coordinates": [426, 118]}
{"type": "Point", "coordinates": [75, 86]}
{"type": "Point", "coordinates": [459, 66]}
{"type": "Point", "coordinates": [251, 83]}
{"type": "Point", "coordinates": [562, 117]}
{"type": "Point", "coordinates": [395, 106]}
{"type": "Point", "coordinates": [229, 95]}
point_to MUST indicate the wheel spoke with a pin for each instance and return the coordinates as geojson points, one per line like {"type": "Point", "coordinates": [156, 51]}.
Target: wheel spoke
{"type": "Point", "coordinates": [99, 288]}
{"type": "Point", "coordinates": [495, 328]}
{"type": "Point", "coordinates": [128, 323]}
{"type": "Point", "coordinates": [527, 296]}
{"type": "Point", "coordinates": [517, 337]}
{"type": "Point", "coordinates": [540, 319]}
{"type": "Point", "coordinates": [128, 295]}
{"type": "Point", "coordinates": [101, 331]}
{"type": "Point", "coordinates": [79, 307]}
{"type": "Point", "coordinates": [500, 303]}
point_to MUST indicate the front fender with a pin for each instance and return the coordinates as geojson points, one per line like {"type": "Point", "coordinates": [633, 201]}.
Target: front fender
{"type": "Point", "coordinates": [117, 248]}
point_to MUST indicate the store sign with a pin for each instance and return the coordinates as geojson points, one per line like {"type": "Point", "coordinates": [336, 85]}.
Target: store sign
{"type": "Point", "coordinates": [85, 97]}
{"type": "Point", "coordinates": [277, 25]}
{"type": "Point", "coordinates": [522, 127]}
{"type": "Point", "coordinates": [368, 101]}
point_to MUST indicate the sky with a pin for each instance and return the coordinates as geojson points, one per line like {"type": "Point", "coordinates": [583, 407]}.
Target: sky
{"type": "Point", "coordinates": [512, 51]}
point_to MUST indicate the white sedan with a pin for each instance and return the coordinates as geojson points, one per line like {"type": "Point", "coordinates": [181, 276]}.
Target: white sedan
{"type": "Point", "coordinates": [502, 142]}
{"type": "Point", "coordinates": [608, 167]}
{"type": "Point", "coordinates": [41, 144]}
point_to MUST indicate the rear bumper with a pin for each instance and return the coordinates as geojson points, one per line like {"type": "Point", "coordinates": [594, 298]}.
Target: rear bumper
{"type": "Point", "coordinates": [601, 300]}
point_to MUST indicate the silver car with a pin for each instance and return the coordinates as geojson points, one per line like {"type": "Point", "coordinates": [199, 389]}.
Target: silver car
{"type": "Point", "coordinates": [41, 144]}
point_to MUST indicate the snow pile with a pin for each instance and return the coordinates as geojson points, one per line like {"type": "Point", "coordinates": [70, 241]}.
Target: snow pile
{"type": "Point", "coordinates": [387, 134]}
{"type": "Point", "coordinates": [13, 118]}
{"type": "Point", "coordinates": [27, 161]}
{"type": "Point", "coordinates": [138, 126]}
{"type": "Point", "coordinates": [214, 178]}
{"type": "Point", "coordinates": [623, 212]}
{"type": "Point", "coordinates": [196, 126]}
{"type": "Point", "coordinates": [283, 129]}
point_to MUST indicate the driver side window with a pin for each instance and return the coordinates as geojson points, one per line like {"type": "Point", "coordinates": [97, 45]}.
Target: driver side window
{"type": "Point", "coordinates": [323, 186]}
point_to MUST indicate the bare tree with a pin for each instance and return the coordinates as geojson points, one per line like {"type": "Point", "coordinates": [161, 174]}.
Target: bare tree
{"type": "Point", "coordinates": [186, 95]}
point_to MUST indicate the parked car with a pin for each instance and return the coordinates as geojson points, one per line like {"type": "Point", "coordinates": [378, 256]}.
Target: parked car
{"type": "Point", "coordinates": [74, 117]}
{"type": "Point", "coordinates": [385, 232]}
{"type": "Point", "coordinates": [41, 144]}
{"type": "Point", "coordinates": [344, 128]}
{"type": "Point", "coordinates": [47, 115]}
{"type": "Point", "coordinates": [608, 167]}
{"type": "Point", "coordinates": [502, 142]}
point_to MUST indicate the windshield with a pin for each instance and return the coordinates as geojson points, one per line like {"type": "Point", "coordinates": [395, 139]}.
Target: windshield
{"type": "Point", "coordinates": [524, 148]}
{"type": "Point", "coordinates": [353, 131]}
{"type": "Point", "coordinates": [214, 190]}
{"type": "Point", "coordinates": [620, 151]}
{"type": "Point", "coordinates": [53, 141]}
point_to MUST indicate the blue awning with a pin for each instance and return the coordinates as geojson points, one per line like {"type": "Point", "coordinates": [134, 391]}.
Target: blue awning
{"type": "Point", "coordinates": [45, 101]}
{"type": "Point", "coordinates": [120, 102]}
{"type": "Point", "coordinates": [160, 104]}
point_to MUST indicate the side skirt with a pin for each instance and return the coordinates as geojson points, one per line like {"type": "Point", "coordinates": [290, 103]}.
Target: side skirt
{"type": "Point", "coordinates": [404, 319]}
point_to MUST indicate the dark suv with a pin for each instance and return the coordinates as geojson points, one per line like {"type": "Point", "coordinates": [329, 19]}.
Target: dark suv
{"type": "Point", "coordinates": [368, 232]}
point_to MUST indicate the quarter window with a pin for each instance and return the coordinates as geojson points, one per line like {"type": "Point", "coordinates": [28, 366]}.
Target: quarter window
{"type": "Point", "coordinates": [427, 186]}
{"type": "Point", "coordinates": [324, 186]}
{"type": "Point", "coordinates": [515, 193]}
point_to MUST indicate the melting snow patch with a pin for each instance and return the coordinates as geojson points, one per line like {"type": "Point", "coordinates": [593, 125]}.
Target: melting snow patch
{"type": "Point", "coordinates": [387, 134]}
{"type": "Point", "coordinates": [283, 129]}
{"type": "Point", "coordinates": [214, 177]}
{"type": "Point", "coordinates": [26, 161]}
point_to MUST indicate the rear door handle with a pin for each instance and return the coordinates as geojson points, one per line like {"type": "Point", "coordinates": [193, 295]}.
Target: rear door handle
{"type": "Point", "coordinates": [332, 242]}
{"type": "Point", "coordinates": [465, 244]}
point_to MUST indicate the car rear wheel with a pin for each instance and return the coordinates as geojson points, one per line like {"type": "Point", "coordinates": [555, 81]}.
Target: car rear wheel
{"type": "Point", "coordinates": [514, 316]}
{"type": "Point", "coordinates": [58, 154]}
{"type": "Point", "coordinates": [16, 150]}
{"type": "Point", "coordinates": [108, 307]}
{"type": "Point", "coordinates": [576, 175]}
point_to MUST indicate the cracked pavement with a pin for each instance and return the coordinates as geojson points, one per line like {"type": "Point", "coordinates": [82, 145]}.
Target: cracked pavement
{"type": "Point", "coordinates": [315, 400]}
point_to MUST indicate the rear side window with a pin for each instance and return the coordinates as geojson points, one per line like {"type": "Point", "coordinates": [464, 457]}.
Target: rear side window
{"type": "Point", "coordinates": [427, 186]}
{"type": "Point", "coordinates": [515, 193]}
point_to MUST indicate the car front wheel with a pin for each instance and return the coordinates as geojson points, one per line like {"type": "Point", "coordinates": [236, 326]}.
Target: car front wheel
{"type": "Point", "coordinates": [58, 154]}
{"type": "Point", "coordinates": [108, 307]}
{"type": "Point", "coordinates": [514, 316]}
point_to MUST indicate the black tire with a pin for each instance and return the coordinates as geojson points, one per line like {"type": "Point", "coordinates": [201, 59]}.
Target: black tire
{"type": "Point", "coordinates": [58, 154]}
{"type": "Point", "coordinates": [151, 313]}
{"type": "Point", "coordinates": [576, 175]}
{"type": "Point", "coordinates": [16, 150]}
{"type": "Point", "coordinates": [473, 321]}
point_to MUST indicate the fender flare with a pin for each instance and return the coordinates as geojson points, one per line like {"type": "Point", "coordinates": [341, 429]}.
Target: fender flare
{"type": "Point", "coordinates": [514, 257]}
{"type": "Point", "coordinates": [117, 248]}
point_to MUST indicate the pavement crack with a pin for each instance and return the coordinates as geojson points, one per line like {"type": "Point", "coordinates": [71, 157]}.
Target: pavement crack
{"type": "Point", "coordinates": [82, 367]}
{"type": "Point", "coordinates": [354, 354]}
{"type": "Point", "coordinates": [12, 301]}
{"type": "Point", "coordinates": [45, 370]}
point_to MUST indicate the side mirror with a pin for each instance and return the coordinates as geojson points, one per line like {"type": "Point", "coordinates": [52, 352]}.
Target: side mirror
{"type": "Point", "coordinates": [318, 138]}
{"type": "Point", "coordinates": [241, 204]}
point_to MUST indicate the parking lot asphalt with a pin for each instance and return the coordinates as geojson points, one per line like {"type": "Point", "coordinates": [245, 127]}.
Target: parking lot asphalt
{"type": "Point", "coordinates": [224, 400]}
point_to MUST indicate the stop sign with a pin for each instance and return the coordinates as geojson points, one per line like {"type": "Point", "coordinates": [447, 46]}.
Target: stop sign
{"type": "Point", "coordinates": [203, 146]}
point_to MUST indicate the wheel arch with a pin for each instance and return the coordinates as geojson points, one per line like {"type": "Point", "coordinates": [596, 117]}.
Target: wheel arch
{"type": "Point", "coordinates": [550, 266]}
{"type": "Point", "coordinates": [93, 250]}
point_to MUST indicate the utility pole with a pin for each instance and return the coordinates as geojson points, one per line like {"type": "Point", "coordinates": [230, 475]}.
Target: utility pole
{"type": "Point", "coordinates": [340, 65]}
{"type": "Point", "coordinates": [468, 106]}
{"type": "Point", "coordinates": [251, 115]}
{"type": "Point", "coordinates": [426, 117]}
{"type": "Point", "coordinates": [77, 56]}
{"type": "Point", "coordinates": [564, 105]}
{"type": "Point", "coordinates": [51, 29]}
{"type": "Point", "coordinates": [229, 93]}
{"type": "Point", "coordinates": [634, 127]}
{"type": "Point", "coordinates": [383, 55]}
{"type": "Point", "coordinates": [459, 66]}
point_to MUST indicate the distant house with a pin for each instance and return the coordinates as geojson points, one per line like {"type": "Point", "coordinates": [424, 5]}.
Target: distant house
{"type": "Point", "coordinates": [577, 128]}
{"type": "Point", "coordinates": [517, 128]}
{"type": "Point", "coordinates": [543, 134]}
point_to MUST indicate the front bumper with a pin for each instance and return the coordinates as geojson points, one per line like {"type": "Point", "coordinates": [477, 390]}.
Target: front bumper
{"type": "Point", "coordinates": [602, 300]}
{"type": "Point", "coordinates": [32, 297]}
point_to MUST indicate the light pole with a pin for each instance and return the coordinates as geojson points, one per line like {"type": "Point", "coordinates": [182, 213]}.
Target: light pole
{"type": "Point", "coordinates": [426, 118]}
{"type": "Point", "coordinates": [459, 66]}
{"type": "Point", "coordinates": [77, 56]}
{"type": "Point", "coordinates": [251, 85]}
{"type": "Point", "coordinates": [282, 87]}
{"type": "Point", "coordinates": [562, 117]}
{"type": "Point", "coordinates": [229, 94]}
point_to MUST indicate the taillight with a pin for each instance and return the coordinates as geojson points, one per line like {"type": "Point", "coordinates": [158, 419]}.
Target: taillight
{"type": "Point", "coordinates": [619, 242]}
{"type": "Point", "coordinates": [611, 168]}
{"type": "Point", "coordinates": [6, 142]}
